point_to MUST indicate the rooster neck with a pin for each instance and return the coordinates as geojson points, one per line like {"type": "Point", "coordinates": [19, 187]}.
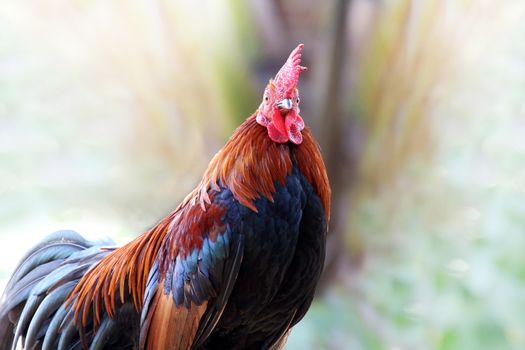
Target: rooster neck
{"type": "Point", "coordinates": [251, 164]}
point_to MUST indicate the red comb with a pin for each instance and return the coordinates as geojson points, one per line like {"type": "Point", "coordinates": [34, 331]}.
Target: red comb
{"type": "Point", "coordinates": [287, 77]}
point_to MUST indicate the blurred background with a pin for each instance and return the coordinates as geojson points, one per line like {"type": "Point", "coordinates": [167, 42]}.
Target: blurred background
{"type": "Point", "coordinates": [111, 110]}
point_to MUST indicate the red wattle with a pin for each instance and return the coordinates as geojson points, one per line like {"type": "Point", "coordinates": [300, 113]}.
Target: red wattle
{"type": "Point", "coordinates": [285, 129]}
{"type": "Point", "coordinates": [294, 125]}
{"type": "Point", "coordinates": [277, 128]}
{"type": "Point", "coordinates": [276, 135]}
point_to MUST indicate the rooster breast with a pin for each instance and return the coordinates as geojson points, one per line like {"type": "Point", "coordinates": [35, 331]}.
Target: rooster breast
{"type": "Point", "coordinates": [283, 257]}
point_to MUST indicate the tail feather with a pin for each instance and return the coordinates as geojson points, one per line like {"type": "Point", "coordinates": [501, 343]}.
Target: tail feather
{"type": "Point", "coordinates": [32, 305]}
{"type": "Point", "coordinates": [7, 329]}
{"type": "Point", "coordinates": [107, 329]}
{"type": "Point", "coordinates": [46, 308]}
{"type": "Point", "coordinates": [53, 330]}
{"type": "Point", "coordinates": [20, 291]}
{"type": "Point", "coordinates": [58, 245]}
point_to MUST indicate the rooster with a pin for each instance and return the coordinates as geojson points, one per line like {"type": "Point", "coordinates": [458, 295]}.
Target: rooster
{"type": "Point", "coordinates": [235, 266]}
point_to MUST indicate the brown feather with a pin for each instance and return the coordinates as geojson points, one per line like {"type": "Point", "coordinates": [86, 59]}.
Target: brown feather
{"type": "Point", "coordinates": [100, 284]}
{"type": "Point", "coordinates": [311, 164]}
{"type": "Point", "coordinates": [249, 165]}
{"type": "Point", "coordinates": [172, 327]}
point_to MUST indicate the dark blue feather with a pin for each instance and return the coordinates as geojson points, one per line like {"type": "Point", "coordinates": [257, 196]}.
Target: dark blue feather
{"type": "Point", "coordinates": [53, 329]}
{"type": "Point", "coordinates": [47, 307]}
{"type": "Point", "coordinates": [35, 295]}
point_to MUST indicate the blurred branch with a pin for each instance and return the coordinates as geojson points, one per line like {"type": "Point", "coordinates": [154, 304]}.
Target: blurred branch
{"type": "Point", "coordinates": [332, 133]}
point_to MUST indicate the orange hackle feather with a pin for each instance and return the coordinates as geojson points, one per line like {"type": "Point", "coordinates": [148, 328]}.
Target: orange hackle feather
{"type": "Point", "coordinates": [249, 165]}
{"type": "Point", "coordinates": [130, 263]}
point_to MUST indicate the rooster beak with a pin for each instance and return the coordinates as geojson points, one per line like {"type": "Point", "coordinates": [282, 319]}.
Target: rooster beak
{"type": "Point", "coordinates": [285, 104]}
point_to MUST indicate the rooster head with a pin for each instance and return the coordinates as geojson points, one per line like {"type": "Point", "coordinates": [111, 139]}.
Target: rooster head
{"type": "Point", "coordinates": [279, 110]}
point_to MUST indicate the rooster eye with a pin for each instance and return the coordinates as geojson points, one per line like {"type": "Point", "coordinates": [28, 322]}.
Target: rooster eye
{"type": "Point", "coordinates": [298, 100]}
{"type": "Point", "coordinates": [266, 98]}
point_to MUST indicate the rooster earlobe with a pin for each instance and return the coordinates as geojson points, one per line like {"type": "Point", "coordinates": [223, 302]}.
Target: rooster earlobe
{"type": "Point", "coordinates": [299, 122]}
{"type": "Point", "coordinates": [262, 119]}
